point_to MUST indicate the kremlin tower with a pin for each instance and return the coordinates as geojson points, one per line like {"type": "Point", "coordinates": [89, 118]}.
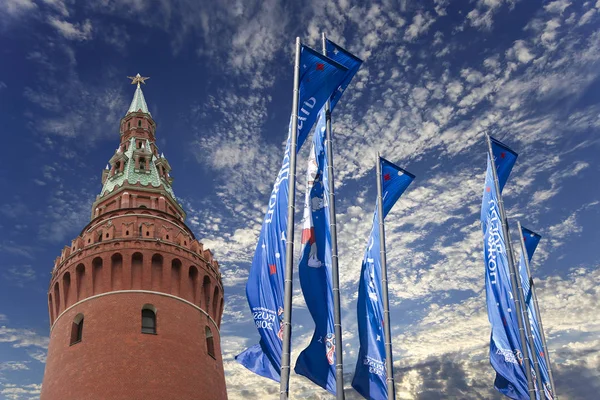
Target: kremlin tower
{"type": "Point", "coordinates": [135, 301]}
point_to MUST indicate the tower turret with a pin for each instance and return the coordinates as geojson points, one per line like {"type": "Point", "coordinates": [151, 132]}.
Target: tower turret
{"type": "Point", "coordinates": [135, 301]}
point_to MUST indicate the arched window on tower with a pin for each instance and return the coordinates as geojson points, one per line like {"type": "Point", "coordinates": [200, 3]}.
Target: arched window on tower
{"type": "Point", "coordinates": [77, 329]}
{"type": "Point", "coordinates": [210, 342]}
{"type": "Point", "coordinates": [140, 123]}
{"type": "Point", "coordinates": [142, 163]}
{"type": "Point", "coordinates": [149, 319]}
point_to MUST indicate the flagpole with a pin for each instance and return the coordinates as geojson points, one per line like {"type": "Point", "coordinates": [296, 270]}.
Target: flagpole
{"type": "Point", "coordinates": [539, 316]}
{"type": "Point", "coordinates": [337, 317]}
{"type": "Point", "coordinates": [389, 363]}
{"type": "Point", "coordinates": [511, 267]}
{"type": "Point", "coordinates": [289, 241]}
{"type": "Point", "coordinates": [526, 317]}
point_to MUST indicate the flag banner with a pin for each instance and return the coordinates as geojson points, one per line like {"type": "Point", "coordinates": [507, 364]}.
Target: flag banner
{"type": "Point", "coordinates": [506, 355]}
{"type": "Point", "coordinates": [348, 60]}
{"type": "Point", "coordinates": [531, 240]}
{"type": "Point", "coordinates": [505, 159]}
{"type": "Point", "coordinates": [319, 78]}
{"type": "Point", "coordinates": [370, 373]}
{"type": "Point", "coordinates": [317, 361]}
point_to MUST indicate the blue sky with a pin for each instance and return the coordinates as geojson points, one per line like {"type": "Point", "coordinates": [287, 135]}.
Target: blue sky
{"type": "Point", "coordinates": [437, 74]}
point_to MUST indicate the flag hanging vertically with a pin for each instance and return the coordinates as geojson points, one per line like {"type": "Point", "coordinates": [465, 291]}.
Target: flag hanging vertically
{"type": "Point", "coordinates": [319, 77]}
{"type": "Point", "coordinates": [370, 373]}
{"type": "Point", "coordinates": [317, 361]}
{"type": "Point", "coordinates": [530, 242]}
{"type": "Point", "coordinates": [506, 355]}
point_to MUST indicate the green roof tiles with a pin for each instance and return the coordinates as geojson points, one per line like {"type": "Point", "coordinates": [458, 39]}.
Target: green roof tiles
{"type": "Point", "coordinates": [133, 176]}
{"type": "Point", "coordinates": [138, 103]}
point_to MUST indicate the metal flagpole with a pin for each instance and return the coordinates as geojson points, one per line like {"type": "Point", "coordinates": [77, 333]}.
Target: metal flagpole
{"type": "Point", "coordinates": [289, 241]}
{"type": "Point", "coordinates": [511, 266]}
{"type": "Point", "coordinates": [337, 317]}
{"type": "Point", "coordinates": [539, 316]}
{"type": "Point", "coordinates": [527, 320]}
{"type": "Point", "coordinates": [389, 363]}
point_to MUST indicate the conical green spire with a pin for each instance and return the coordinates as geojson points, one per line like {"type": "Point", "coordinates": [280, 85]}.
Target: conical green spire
{"type": "Point", "coordinates": [138, 103]}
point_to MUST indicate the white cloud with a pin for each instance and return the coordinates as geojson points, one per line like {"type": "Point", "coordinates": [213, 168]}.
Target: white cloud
{"type": "Point", "coordinates": [550, 31]}
{"type": "Point", "coordinates": [585, 18]}
{"type": "Point", "coordinates": [15, 8]}
{"type": "Point", "coordinates": [13, 366]}
{"type": "Point", "coordinates": [20, 392]}
{"type": "Point", "coordinates": [453, 90]}
{"type": "Point", "coordinates": [59, 6]}
{"type": "Point", "coordinates": [520, 52]}
{"type": "Point", "coordinates": [78, 31]}
{"type": "Point", "coordinates": [20, 276]}
{"type": "Point", "coordinates": [558, 6]}
{"type": "Point", "coordinates": [421, 23]}
{"type": "Point", "coordinates": [22, 338]}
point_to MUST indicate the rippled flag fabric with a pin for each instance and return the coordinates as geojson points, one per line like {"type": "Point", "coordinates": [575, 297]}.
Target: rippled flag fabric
{"type": "Point", "coordinates": [370, 373]}
{"type": "Point", "coordinates": [505, 159]}
{"type": "Point", "coordinates": [531, 240]}
{"type": "Point", "coordinates": [319, 78]}
{"type": "Point", "coordinates": [317, 361]}
{"type": "Point", "coordinates": [506, 355]}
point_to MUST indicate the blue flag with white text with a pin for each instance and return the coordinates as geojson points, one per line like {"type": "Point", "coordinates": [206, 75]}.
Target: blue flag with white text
{"type": "Point", "coordinates": [319, 78]}
{"type": "Point", "coordinates": [506, 355]}
{"type": "Point", "coordinates": [370, 373]}
{"type": "Point", "coordinates": [531, 240]}
{"type": "Point", "coordinates": [317, 361]}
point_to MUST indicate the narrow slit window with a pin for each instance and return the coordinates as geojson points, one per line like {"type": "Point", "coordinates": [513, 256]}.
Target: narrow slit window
{"type": "Point", "coordinates": [148, 321]}
{"type": "Point", "coordinates": [77, 329]}
{"type": "Point", "coordinates": [210, 343]}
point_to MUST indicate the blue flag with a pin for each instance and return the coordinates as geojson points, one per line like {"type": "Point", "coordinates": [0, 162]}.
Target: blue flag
{"type": "Point", "coordinates": [319, 78]}
{"type": "Point", "coordinates": [506, 355]}
{"type": "Point", "coordinates": [317, 361]}
{"type": "Point", "coordinates": [531, 240]}
{"type": "Point", "coordinates": [348, 60]}
{"type": "Point", "coordinates": [505, 160]}
{"type": "Point", "coordinates": [370, 373]}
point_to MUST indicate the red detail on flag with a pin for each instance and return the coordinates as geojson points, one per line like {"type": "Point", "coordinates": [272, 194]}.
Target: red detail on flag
{"type": "Point", "coordinates": [308, 236]}
{"type": "Point", "coordinates": [488, 189]}
{"type": "Point", "coordinates": [272, 269]}
{"type": "Point", "coordinates": [542, 353]}
{"type": "Point", "coordinates": [320, 67]}
{"type": "Point", "coordinates": [524, 239]}
{"type": "Point", "coordinates": [387, 177]}
{"type": "Point", "coordinates": [502, 155]}
{"type": "Point", "coordinates": [504, 321]}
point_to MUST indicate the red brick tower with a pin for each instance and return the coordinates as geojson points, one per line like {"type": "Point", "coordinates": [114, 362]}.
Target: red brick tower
{"type": "Point", "coordinates": [135, 301]}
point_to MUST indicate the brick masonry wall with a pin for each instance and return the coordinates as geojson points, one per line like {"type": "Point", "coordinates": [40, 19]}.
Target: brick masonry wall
{"type": "Point", "coordinates": [115, 361]}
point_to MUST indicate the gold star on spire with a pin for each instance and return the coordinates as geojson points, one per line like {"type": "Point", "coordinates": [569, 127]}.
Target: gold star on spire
{"type": "Point", "coordinates": [138, 79]}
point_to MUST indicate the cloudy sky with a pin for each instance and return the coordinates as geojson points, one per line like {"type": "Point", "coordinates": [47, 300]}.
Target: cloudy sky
{"type": "Point", "coordinates": [437, 75]}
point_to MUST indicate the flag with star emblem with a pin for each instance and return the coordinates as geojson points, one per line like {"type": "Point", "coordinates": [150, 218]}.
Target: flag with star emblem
{"type": "Point", "coordinates": [506, 353]}
{"type": "Point", "coordinates": [319, 78]}
{"type": "Point", "coordinates": [370, 373]}
{"type": "Point", "coordinates": [317, 361]}
{"type": "Point", "coordinates": [531, 240]}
